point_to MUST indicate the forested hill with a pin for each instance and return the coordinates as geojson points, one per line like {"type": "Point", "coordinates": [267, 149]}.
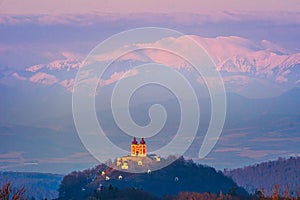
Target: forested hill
{"type": "Point", "coordinates": [182, 175]}
{"type": "Point", "coordinates": [282, 172]}
{"type": "Point", "coordinates": [37, 185]}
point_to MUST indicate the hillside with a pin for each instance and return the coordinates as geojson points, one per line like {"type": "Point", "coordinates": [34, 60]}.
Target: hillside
{"type": "Point", "coordinates": [182, 175]}
{"type": "Point", "coordinates": [282, 172]}
{"type": "Point", "coordinates": [37, 185]}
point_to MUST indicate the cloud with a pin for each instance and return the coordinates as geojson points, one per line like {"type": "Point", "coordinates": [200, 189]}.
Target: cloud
{"type": "Point", "coordinates": [247, 152]}
{"type": "Point", "coordinates": [16, 159]}
{"type": "Point", "coordinates": [250, 153]}
{"type": "Point", "coordinates": [188, 18]}
{"type": "Point", "coordinates": [77, 157]}
{"type": "Point", "coordinates": [43, 78]}
{"type": "Point", "coordinates": [236, 134]}
{"type": "Point", "coordinates": [227, 149]}
{"type": "Point", "coordinates": [136, 6]}
{"type": "Point", "coordinates": [63, 19]}
{"type": "Point", "coordinates": [15, 19]}
{"type": "Point", "coordinates": [11, 159]}
{"type": "Point", "coordinates": [11, 155]}
{"type": "Point", "coordinates": [272, 140]}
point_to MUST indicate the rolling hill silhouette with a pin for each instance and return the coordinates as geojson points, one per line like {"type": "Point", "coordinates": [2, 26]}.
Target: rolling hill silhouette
{"type": "Point", "coordinates": [181, 175]}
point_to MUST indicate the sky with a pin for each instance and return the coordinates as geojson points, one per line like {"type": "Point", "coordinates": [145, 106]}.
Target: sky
{"type": "Point", "coordinates": [135, 6]}
{"type": "Point", "coordinates": [253, 44]}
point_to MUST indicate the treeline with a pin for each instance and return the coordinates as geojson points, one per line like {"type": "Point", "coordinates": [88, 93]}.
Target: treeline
{"type": "Point", "coordinates": [283, 172]}
{"type": "Point", "coordinates": [114, 193]}
{"type": "Point", "coordinates": [9, 192]}
{"type": "Point", "coordinates": [220, 196]}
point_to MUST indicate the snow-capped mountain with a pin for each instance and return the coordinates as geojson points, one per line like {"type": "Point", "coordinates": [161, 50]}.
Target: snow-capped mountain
{"type": "Point", "coordinates": [248, 68]}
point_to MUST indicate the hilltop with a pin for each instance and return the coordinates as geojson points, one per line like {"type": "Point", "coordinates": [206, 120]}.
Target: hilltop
{"type": "Point", "coordinates": [181, 175]}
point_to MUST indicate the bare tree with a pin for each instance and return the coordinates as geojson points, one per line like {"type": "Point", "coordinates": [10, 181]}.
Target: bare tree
{"type": "Point", "coordinates": [7, 192]}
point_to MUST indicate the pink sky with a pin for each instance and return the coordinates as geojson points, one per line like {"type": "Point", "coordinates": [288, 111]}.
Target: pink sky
{"type": "Point", "coordinates": [133, 6]}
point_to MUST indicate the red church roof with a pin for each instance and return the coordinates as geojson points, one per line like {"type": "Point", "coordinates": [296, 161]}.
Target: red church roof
{"type": "Point", "coordinates": [142, 141]}
{"type": "Point", "coordinates": [134, 141]}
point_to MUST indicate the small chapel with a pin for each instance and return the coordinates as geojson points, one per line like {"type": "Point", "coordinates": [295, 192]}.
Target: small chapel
{"type": "Point", "coordinates": [138, 149]}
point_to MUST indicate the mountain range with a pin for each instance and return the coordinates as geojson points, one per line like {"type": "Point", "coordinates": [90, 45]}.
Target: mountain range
{"type": "Point", "coordinates": [252, 69]}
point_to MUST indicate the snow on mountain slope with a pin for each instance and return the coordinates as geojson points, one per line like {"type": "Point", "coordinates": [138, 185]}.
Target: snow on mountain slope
{"type": "Point", "coordinates": [238, 55]}
{"type": "Point", "coordinates": [260, 66]}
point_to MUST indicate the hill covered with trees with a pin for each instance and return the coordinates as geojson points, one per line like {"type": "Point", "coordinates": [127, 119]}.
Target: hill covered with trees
{"type": "Point", "coordinates": [285, 173]}
{"type": "Point", "coordinates": [181, 175]}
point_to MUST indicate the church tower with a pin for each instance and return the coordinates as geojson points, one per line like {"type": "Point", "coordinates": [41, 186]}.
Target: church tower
{"type": "Point", "coordinates": [142, 148]}
{"type": "Point", "coordinates": [138, 149]}
{"type": "Point", "coordinates": [134, 147]}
